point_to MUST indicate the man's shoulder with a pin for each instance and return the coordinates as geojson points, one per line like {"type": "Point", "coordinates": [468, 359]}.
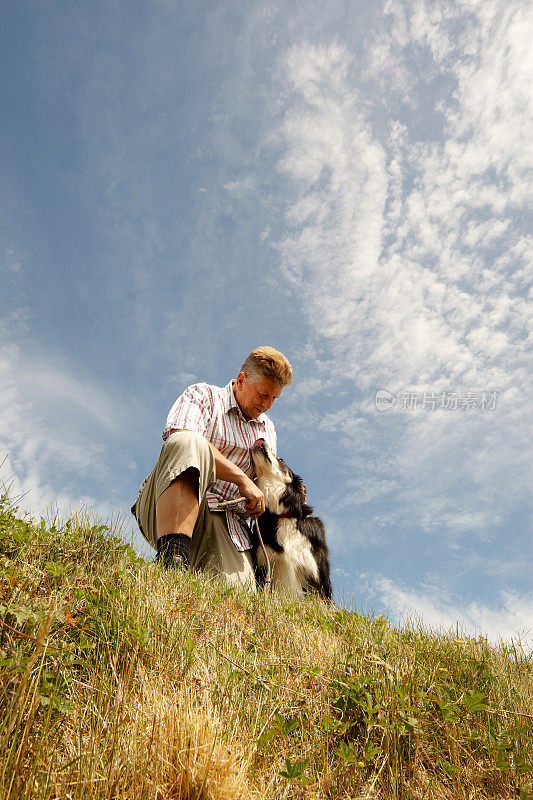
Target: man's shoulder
{"type": "Point", "coordinates": [206, 394]}
{"type": "Point", "coordinates": [202, 388]}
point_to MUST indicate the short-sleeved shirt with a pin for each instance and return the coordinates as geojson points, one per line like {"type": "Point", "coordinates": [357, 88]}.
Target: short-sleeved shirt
{"type": "Point", "coordinates": [214, 412]}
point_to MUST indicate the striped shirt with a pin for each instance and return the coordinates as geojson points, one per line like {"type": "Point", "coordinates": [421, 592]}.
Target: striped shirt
{"type": "Point", "coordinates": [215, 413]}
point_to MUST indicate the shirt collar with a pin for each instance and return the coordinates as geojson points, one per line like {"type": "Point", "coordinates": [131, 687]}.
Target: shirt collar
{"type": "Point", "coordinates": [230, 401]}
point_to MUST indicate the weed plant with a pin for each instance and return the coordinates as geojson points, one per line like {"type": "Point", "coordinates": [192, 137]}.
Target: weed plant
{"type": "Point", "coordinates": [119, 680]}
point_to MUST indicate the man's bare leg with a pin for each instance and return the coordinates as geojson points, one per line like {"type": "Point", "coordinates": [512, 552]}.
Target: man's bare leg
{"type": "Point", "coordinates": [176, 510]}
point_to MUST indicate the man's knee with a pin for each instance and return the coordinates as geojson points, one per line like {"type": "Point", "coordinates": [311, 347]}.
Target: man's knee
{"type": "Point", "coordinates": [181, 451]}
{"type": "Point", "coordinates": [186, 441]}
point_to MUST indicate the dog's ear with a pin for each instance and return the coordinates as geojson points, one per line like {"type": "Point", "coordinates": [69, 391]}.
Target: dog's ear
{"type": "Point", "coordinates": [299, 497]}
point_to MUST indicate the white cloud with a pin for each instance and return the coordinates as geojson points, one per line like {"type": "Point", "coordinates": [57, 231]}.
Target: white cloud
{"type": "Point", "coordinates": [14, 322]}
{"type": "Point", "coordinates": [11, 262]}
{"type": "Point", "coordinates": [508, 617]}
{"type": "Point", "coordinates": [338, 171]}
{"type": "Point", "coordinates": [53, 429]}
{"type": "Point", "coordinates": [240, 187]}
{"type": "Point", "coordinates": [399, 250]}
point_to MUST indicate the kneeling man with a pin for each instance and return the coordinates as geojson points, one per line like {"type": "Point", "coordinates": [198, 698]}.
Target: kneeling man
{"type": "Point", "coordinates": [205, 459]}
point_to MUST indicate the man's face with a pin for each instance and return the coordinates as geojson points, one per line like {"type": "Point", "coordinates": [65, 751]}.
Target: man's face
{"type": "Point", "coordinates": [255, 398]}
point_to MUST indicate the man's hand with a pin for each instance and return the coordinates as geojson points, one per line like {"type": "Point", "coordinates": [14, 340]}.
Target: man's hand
{"type": "Point", "coordinates": [255, 499]}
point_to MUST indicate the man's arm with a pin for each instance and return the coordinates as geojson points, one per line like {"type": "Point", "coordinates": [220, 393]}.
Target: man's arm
{"type": "Point", "coordinates": [228, 471]}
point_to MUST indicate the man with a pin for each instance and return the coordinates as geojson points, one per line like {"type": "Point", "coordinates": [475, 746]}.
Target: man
{"type": "Point", "coordinates": [205, 460]}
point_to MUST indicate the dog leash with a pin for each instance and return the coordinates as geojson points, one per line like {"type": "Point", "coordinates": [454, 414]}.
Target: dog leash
{"type": "Point", "coordinates": [268, 580]}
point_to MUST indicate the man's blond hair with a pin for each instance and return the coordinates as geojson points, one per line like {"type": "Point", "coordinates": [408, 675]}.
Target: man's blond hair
{"type": "Point", "coordinates": [265, 362]}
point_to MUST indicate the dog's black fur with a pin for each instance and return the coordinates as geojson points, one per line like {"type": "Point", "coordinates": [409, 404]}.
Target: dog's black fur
{"type": "Point", "coordinates": [295, 540]}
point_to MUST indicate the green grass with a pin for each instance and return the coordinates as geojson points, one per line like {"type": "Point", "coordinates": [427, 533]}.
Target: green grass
{"type": "Point", "coordinates": [121, 681]}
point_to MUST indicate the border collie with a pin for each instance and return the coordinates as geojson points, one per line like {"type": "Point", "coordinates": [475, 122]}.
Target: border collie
{"type": "Point", "coordinates": [294, 540]}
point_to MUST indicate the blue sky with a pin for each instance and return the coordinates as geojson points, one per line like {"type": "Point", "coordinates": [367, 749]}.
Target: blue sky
{"type": "Point", "coordinates": [351, 184]}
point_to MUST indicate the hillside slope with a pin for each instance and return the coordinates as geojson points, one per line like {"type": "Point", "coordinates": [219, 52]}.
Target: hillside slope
{"type": "Point", "coordinates": [122, 681]}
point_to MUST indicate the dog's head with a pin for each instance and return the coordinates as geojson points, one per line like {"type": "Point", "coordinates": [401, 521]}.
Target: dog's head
{"type": "Point", "coordinates": [285, 492]}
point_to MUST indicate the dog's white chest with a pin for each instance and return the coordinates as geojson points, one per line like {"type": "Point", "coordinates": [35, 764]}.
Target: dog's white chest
{"type": "Point", "coordinates": [296, 557]}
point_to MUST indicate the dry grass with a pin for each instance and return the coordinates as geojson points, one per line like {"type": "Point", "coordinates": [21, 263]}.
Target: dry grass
{"type": "Point", "coordinates": [121, 681]}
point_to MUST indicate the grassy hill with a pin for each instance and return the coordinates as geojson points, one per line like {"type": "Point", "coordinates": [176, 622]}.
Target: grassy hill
{"type": "Point", "coordinates": [121, 681]}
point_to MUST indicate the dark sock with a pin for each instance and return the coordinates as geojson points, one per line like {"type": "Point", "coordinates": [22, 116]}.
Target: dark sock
{"type": "Point", "coordinates": [174, 551]}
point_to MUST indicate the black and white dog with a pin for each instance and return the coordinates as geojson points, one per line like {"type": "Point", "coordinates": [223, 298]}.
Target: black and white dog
{"type": "Point", "coordinates": [294, 540]}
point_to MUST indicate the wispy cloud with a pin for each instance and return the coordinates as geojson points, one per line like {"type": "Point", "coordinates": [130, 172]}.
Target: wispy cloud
{"type": "Point", "coordinates": [508, 617]}
{"type": "Point", "coordinates": [56, 434]}
{"type": "Point", "coordinates": [409, 253]}
{"type": "Point", "coordinates": [11, 261]}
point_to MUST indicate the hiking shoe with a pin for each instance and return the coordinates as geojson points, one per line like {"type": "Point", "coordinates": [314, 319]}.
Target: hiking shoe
{"type": "Point", "coordinates": [174, 551]}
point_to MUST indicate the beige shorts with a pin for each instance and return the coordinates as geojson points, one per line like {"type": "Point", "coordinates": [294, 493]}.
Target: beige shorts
{"type": "Point", "coordinates": [211, 547]}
